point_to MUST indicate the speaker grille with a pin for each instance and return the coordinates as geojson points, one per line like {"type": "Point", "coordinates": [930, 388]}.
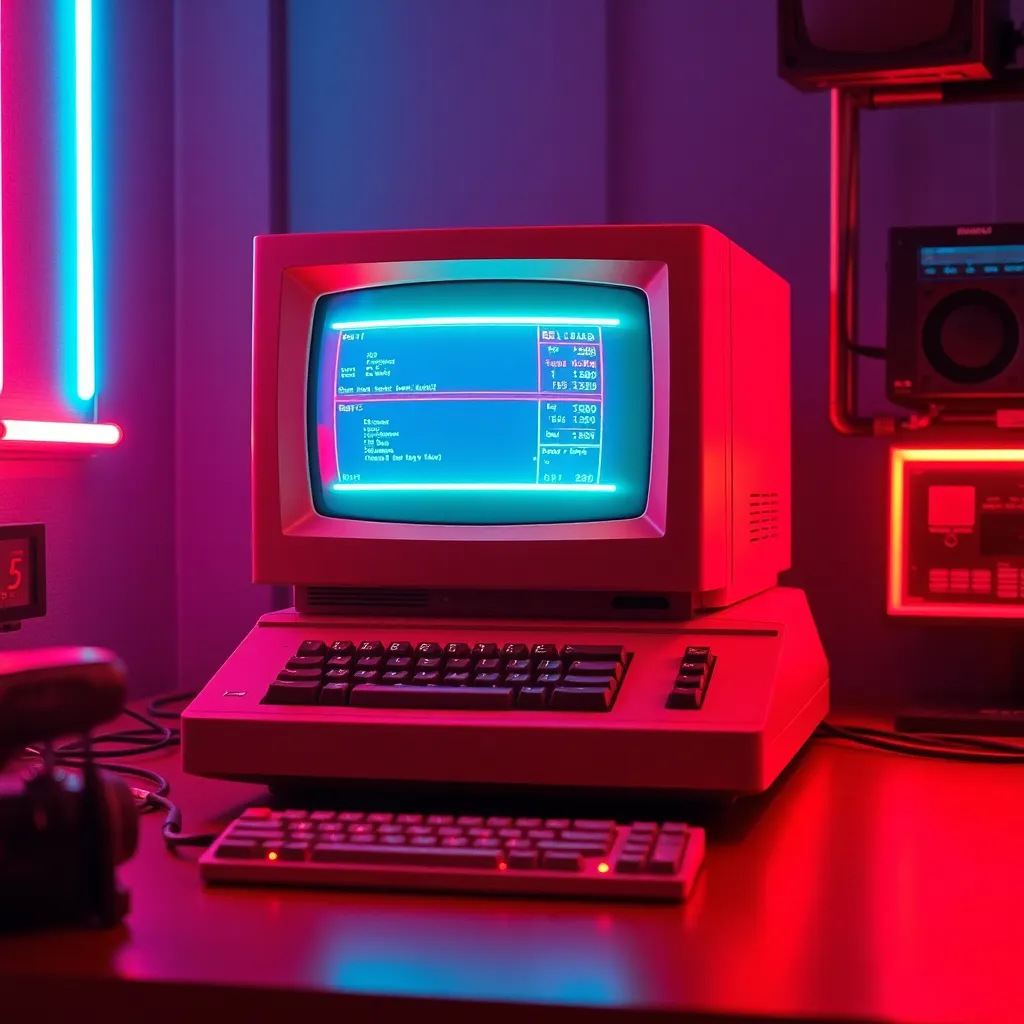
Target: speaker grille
{"type": "Point", "coordinates": [366, 597]}
{"type": "Point", "coordinates": [764, 515]}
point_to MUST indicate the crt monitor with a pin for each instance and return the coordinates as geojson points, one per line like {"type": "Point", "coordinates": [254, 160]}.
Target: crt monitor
{"type": "Point", "coordinates": [595, 417]}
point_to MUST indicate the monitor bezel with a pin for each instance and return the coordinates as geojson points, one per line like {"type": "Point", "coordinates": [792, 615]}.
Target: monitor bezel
{"type": "Point", "coordinates": [294, 544]}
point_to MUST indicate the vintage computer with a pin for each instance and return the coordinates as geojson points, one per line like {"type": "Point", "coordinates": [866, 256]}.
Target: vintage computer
{"type": "Point", "coordinates": [531, 487]}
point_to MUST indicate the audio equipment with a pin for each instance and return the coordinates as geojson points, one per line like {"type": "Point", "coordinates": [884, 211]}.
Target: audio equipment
{"type": "Point", "coordinates": [826, 44]}
{"type": "Point", "coordinates": [63, 831]}
{"type": "Point", "coordinates": [22, 574]}
{"type": "Point", "coordinates": [955, 335]}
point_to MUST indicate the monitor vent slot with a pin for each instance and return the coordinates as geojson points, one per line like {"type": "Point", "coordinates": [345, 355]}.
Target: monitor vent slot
{"type": "Point", "coordinates": [366, 597]}
{"type": "Point", "coordinates": [764, 515]}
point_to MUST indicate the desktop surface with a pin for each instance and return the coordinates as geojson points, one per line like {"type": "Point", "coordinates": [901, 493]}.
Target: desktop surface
{"type": "Point", "coordinates": [865, 886]}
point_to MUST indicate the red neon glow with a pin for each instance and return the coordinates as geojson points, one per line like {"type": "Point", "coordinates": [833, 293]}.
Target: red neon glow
{"type": "Point", "coordinates": [896, 601]}
{"type": "Point", "coordinates": [44, 432]}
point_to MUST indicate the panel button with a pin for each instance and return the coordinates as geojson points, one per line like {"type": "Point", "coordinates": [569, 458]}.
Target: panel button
{"type": "Point", "coordinates": [631, 864]}
{"type": "Point", "coordinates": [447, 698]}
{"type": "Point", "coordinates": [334, 693]}
{"type": "Point", "coordinates": [312, 648]}
{"type": "Point", "coordinates": [581, 698]}
{"type": "Point", "coordinates": [299, 692]}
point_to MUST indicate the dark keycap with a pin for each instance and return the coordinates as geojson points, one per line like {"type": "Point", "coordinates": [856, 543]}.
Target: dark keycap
{"type": "Point", "coordinates": [518, 844]}
{"type": "Point", "coordinates": [692, 668]}
{"type": "Point", "coordinates": [401, 662]}
{"type": "Point", "coordinates": [303, 691]}
{"type": "Point", "coordinates": [488, 665]}
{"type": "Point", "coordinates": [362, 828]}
{"type": "Point", "coordinates": [380, 818]}
{"type": "Point", "coordinates": [371, 647]}
{"type": "Point", "coordinates": [301, 826]}
{"type": "Point", "coordinates": [365, 675]}
{"type": "Point", "coordinates": [428, 649]}
{"type": "Point", "coordinates": [518, 665]}
{"type": "Point", "coordinates": [409, 819]}
{"type": "Point", "coordinates": [593, 824]}
{"type": "Point", "coordinates": [643, 826]}
{"type": "Point", "coordinates": [341, 647]}
{"type": "Point", "coordinates": [638, 849]}
{"type": "Point", "coordinates": [338, 675]}
{"type": "Point", "coordinates": [455, 841]}
{"type": "Point", "coordinates": [631, 864]}
{"type": "Point", "coordinates": [272, 846]}
{"type": "Point", "coordinates": [456, 678]}
{"type": "Point", "coordinates": [342, 661]}
{"type": "Point", "coordinates": [549, 665]}
{"type": "Point", "coordinates": [549, 679]}
{"type": "Point", "coordinates": [446, 820]}
{"type": "Point", "coordinates": [527, 823]}
{"type": "Point", "coordinates": [673, 828]}
{"type": "Point", "coordinates": [469, 821]}
{"type": "Point", "coordinates": [697, 654]}
{"type": "Point", "coordinates": [515, 651]}
{"type": "Point", "coordinates": [510, 833]}
{"type": "Point", "coordinates": [257, 834]}
{"type": "Point", "coordinates": [423, 841]}
{"type": "Point", "coordinates": [532, 698]}
{"type": "Point", "coordinates": [517, 678]}
{"type": "Point", "coordinates": [667, 856]}
{"type": "Point", "coordinates": [459, 664]}
{"type": "Point", "coordinates": [562, 860]}
{"type": "Point", "coordinates": [593, 652]}
{"type": "Point", "coordinates": [238, 849]}
{"type": "Point", "coordinates": [485, 651]}
{"type": "Point", "coordinates": [487, 844]}
{"type": "Point", "coordinates": [580, 698]}
{"type": "Point", "coordinates": [370, 661]}
{"type": "Point", "coordinates": [447, 698]}
{"type": "Point", "coordinates": [334, 693]}
{"type": "Point", "coordinates": [456, 650]}
{"type": "Point", "coordinates": [522, 860]}
{"type": "Point", "coordinates": [415, 827]}
{"type": "Point", "coordinates": [305, 662]}
{"type": "Point", "coordinates": [685, 698]}
{"type": "Point", "coordinates": [399, 648]}
{"type": "Point", "coordinates": [690, 680]}
{"type": "Point", "coordinates": [395, 675]}
{"type": "Point", "coordinates": [499, 822]}
{"type": "Point", "coordinates": [322, 816]}
{"type": "Point", "coordinates": [394, 838]}
{"type": "Point", "coordinates": [486, 679]}
{"type": "Point", "coordinates": [545, 651]}
{"type": "Point", "coordinates": [316, 648]}
{"type": "Point", "coordinates": [555, 823]}
{"type": "Point", "coordinates": [294, 815]}
{"type": "Point", "coordinates": [428, 676]}
{"type": "Point", "coordinates": [575, 679]}
{"type": "Point", "coordinates": [296, 675]}
{"type": "Point", "coordinates": [602, 668]}
{"type": "Point", "coordinates": [583, 849]}
{"type": "Point", "coordinates": [351, 817]}
{"type": "Point", "coordinates": [438, 856]}
{"type": "Point", "coordinates": [587, 836]}
{"type": "Point", "coordinates": [543, 833]}
{"type": "Point", "coordinates": [295, 851]}
{"type": "Point", "coordinates": [428, 663]}
{"type": "Point", "coordinates": [480, 832]}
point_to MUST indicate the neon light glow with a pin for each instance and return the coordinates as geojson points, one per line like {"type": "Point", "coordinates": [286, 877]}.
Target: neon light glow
{"type": "Point", "coordinates": [86, 279]}
{"type": "Point", "coordinates": [530, 488]}
{"type": "Point", "coordinates": [39, 431]}
{"type": "Point", "coordinates": [477, 321]}
{"type": "Point", "coordinates": [896, 601]}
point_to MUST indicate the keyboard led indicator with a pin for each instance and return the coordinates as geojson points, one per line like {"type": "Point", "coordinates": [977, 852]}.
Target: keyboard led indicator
{"type": "Point", "coordinates": [603, 868]}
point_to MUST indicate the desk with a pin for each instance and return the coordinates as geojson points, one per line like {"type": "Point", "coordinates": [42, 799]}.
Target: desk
{"type": "Point", "coordinates": [868, 886]}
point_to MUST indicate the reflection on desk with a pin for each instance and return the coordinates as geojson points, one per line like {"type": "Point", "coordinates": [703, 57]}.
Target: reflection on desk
{"type": "Point", "coordinates": [866, 886]}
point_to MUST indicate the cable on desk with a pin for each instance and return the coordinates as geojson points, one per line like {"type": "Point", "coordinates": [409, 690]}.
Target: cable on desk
{"type": "Point", "coordinates": [935, 745]}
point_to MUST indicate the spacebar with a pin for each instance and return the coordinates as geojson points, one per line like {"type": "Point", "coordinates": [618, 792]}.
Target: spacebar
{"type": "Point", "coordinates": [447, 698]}
{"type": "Point", "coordinates": [353, 853]}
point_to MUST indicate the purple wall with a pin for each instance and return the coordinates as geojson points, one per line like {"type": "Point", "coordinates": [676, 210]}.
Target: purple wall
{"type": "Point", "coordinates": [109, 519]}
{"type": "Point", "coordinates": [458, 113]}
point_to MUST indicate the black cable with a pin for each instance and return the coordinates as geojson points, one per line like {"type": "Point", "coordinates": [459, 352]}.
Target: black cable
{"type": "Point", "coordinates": [934, 745]}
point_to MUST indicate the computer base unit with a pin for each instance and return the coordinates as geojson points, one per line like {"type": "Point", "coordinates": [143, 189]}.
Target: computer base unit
{"type": "Point", "coordinates": [716, 705]}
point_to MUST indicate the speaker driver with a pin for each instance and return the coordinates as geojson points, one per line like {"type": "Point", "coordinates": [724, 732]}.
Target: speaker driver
{"type": "Point", "coordinates": [970, 337]}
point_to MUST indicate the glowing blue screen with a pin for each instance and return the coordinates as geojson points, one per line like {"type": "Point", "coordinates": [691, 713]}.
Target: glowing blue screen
{"type": "Point", "coordinates": [481, 402]}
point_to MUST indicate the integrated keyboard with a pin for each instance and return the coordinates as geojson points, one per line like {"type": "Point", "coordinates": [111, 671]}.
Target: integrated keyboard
{"type": "Point", "coordinates": [465, 853]}
{"type": "Point", "coordinates": [477, 677]}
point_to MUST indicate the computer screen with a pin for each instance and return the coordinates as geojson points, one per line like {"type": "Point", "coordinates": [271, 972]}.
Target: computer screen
{"type": "Point", "coordinates": [480, 402]}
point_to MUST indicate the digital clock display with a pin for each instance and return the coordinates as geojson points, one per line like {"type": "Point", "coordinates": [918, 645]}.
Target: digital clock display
{"type": "Point", "coordinates": [15, 573]}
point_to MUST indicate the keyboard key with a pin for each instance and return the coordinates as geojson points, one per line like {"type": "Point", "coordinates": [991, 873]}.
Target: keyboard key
{"type": "Point", "coordinates": [499, 822]}
{"type": "Point", "coordinates": [299, 691]}
{"type": "Point", "coordinates": [543, 833]}
{"type": "Point", "coordinates": [593, 652]}
{"type": "Point", "coordinates": [456, 679]}
{"type": "Point", "coordinates": [469, 821]}
{"type": "Point", "coordinates": [257, 834]}
{"type": "Point", "coordinates": [486, 679]}
{"type": "Point", "coordinates": [532, 698]}
{"type": "Point", "coordinates": [428, 663]}
{"type": "Point", "coordinates": [239, 849]}
{"type": "Point", "coordinates": [558, 860]}
{"type": "Point", "coordinates": [484, 651]}
{"type": "Point", "coordinates": [549, 665]}
{"type": "Point", "coordinates": [673, 828]}
{"type": "Point", "coordinates": [371, 648]}
{"type": "Point", "coordinates": [697, 654]}
{"type": "Point", "coordinates": [409, 819]}
{"type": "Point", "coordinates": [459, 664]}
{"type": "Point", "coordinates": [527, 823]}
{"type": "Point", "coordinates": [517, 678]}
{"type": "Point", "coordinates": [586, 836]}
{"type": "Point", "coordinates": [380, 818]}
{"type": "Point", "coordinates": [446, 698]}
{"type": "Point", "coordinates": [296, 675]}
{"type": "Point", "coordinates": [337, 664]}
{"type": "Point", "coordinates": [428, 649]}
{"type": "Point", "coordinates": [351, 817]}
{"type": "Point", "coordinates": [427, 678]}
{"type": "Point", "coordinates": [341, 647]}
{"type": "Point", "coordinates": [643, 826]}
{"type": "Point", "coordinates": [295, 851]}
{"type": "Point", "coordinates": [438, 856]}
{"type": "Point", "coordinates": [395, 675]}
{"type": "Point", "coordinates": [596, 668]}
{"type": "Point", "coordinates": [322, 816]}
{"type": "Point", "coordinates": [440, 819]}
{"type": "Point", "coordinates": [667, 856]}
{"type": "Point", "coordinates": [338, 675]}
{"type": "Point", "coordinates": [593, 825]}
{"type": "Point", "coordinates": [455, 841]}
{"type": "Point", "coordinates": [685, 698]}
{"type": "Point", "coordinates": [631, 863]}
{"type": "Point", "coordinates": [583, 849]}
{"type": "Point", "coordinates": [590, 680]}
{"type": "Point", "coordinates": [685, 681]}
{"type": "Point", "coordinates": [580, 698]}
{"type": "Point", "coordinates": [306, 662]}
{"type": "Point", "coordinates": [545, 651]}
{"type": "Point", "coordinates": [366, 675]}
{"type": "Point", "coordinates": [522, 860]}
{"type": "Point", "coordinates": [693, 668]}
{"type": "Point", "coordinates": [556, 823]}
{"type": "Point", "coordinates": [257, 813]}
{"type": "Point", "coordinates": [401, 662]}
{"type": "Point", "coordinates": [314, 648]}
{"type": "Point", "coordinates": [480, 832]}
{"type": "Point", "coordinates": [487, 844]}
{"type": "Point", "coordinates": [399, 647]}
{"type": "Point", "coordinates": [294, 815]}
{"type": "Point", "coordinates": [456, 650]}
{"type": "Point", "coordinates": [514, 651]}
{"type": "Point", "coordinates": [488, 665]}
{"type": "Point", "coordinates": [423, 841]}
{"type": "Point", "coordinates": [548, 679]}
{"type": "Point", "coordinates": [518, 665]}
{"type": "Point", "coordinates": [334, 694]}
{"type": "Point", "coordinates": [370, 661]}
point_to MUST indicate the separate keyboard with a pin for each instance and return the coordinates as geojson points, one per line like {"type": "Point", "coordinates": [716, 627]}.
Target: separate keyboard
{"type": "Point", "coordinates": [481, 677]}
{"type": "Point", "coordinates": [557, 857]}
